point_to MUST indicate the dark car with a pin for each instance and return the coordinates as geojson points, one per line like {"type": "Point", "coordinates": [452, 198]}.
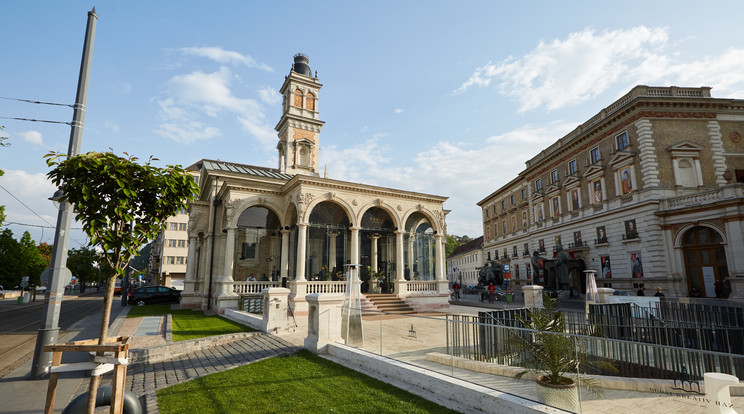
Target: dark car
{"type": "Point", "coordinates": [153, 294]}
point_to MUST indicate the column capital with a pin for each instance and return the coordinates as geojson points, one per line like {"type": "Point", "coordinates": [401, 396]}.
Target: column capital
{"type": "Point", "coordinates": [303, 224]}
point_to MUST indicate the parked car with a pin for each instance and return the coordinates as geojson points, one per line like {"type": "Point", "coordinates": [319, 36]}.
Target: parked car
{"type": "Point", "coordinates": [153, 294]}
{"type": "Point", "coordinates": [117, 287]}
{"type": "Point", "coordinates": [470, 290]}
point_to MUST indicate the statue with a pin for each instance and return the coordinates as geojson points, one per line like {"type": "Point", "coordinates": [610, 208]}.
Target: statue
{"type": "Point", "coordinates": [535, 271]}
{"type": "Point", "coordinates": [491, 272]}
{"type": "Point", "coordinates": [561, 268]}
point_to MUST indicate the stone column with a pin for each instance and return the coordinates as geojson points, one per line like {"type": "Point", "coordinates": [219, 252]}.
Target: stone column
{"type": "Point", "coordinates": [284, 270]}
{"type": "Point", "coordinates": [191, 264]}
{"type": "Point", "coordinates": [332, 235]}
{"type": "Point", "coordinates": [439, 254]}
{"type": "Point", "coordinates": [227, 276]}
{"type": "Point", "coordinates": [323, 321]}
{"type": "Point", "coordinates": [399, 259]}
{"type": "Point", "coordinates": [373, 253]}
{"type": "Point", "coordinates": [354, 245]}
{"type": "Point", "coordinates": [301, 251]}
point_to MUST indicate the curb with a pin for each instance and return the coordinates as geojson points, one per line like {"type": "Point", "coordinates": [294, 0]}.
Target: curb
{"type": "Point", "coordinates": [159, 353]}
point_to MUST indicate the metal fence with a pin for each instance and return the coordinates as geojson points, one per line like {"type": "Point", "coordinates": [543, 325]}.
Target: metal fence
{"type": "Point", "coordinates": [638, 344]}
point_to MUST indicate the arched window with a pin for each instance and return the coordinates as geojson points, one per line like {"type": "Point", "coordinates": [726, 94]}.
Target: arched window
{"type": "Point", "coordinates": [257, 245]}
{"type": "Point", "coordinates": [705, 261]}
{"type": "Point", "coordinates": [298, 98]}
{"type": "Point", "coordinates": [310, 101]}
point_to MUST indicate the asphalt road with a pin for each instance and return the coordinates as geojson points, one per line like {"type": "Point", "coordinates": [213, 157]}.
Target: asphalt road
{"type": "Point", "coordinates": [19, 325]}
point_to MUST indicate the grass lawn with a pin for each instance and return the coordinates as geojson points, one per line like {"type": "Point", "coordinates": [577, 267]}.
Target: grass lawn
{"type": "Point", "coordinates": [301, 383]}
{"type": "Point", "coordinates": [189, 324]}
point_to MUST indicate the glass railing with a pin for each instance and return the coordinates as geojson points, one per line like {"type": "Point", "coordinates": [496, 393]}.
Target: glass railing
{"type": "Point", "coordinates": [611, 374]}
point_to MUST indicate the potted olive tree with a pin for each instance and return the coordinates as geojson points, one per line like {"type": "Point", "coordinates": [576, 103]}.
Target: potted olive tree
{"type": "Point", "coordinates": [554, 357]}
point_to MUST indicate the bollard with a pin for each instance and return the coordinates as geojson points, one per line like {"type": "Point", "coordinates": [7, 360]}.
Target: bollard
{"type": "Point", "coordinates": [717, 392]}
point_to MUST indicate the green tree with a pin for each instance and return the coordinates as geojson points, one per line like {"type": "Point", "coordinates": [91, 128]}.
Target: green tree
{"type": "Point", "coordinates": [450, 245]}
{"type": "Point", "coordinates": [10, 260]}
{"type": "Point", "coordinates": [82, 263]}
{"type": "Point", "coordinates": [32, 261]}
{"type": "Point", "coordinates": [121, 205]}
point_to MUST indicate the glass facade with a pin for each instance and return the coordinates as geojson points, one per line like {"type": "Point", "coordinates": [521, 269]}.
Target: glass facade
{"type": "Point", "coordinates": [258, 245]}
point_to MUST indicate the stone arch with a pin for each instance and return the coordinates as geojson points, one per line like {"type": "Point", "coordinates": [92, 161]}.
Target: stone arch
{"type": "Point", "coordinates": [381, 205]}
{"type": "Point", "coordinates": [705, 264]}
{"type": "Point", "coordinates": [240, 205]}
{"type": "Point", "coordinates": [679, 237]}
{"type": "Point", "coordinates": [304, 208]}
{"type": "Point", "coordinates": [435, 224]}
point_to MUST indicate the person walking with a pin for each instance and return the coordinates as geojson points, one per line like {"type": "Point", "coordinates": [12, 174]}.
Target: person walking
{"type": "Point", "coordinates": [642, 290]}
{"type": "Point", "coordinates": [491, 292]}
{"type": "Point", "coordinates": [456, 287]}
{"type": "Point", "coordinates": [658, 292]}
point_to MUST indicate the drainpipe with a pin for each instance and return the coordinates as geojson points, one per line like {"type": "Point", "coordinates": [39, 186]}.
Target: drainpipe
{"type": "Point", "coordinates": [215, 204]}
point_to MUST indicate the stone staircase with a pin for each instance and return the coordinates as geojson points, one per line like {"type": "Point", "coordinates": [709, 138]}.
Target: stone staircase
{"type": "Point", "coordinates": [384, 303]}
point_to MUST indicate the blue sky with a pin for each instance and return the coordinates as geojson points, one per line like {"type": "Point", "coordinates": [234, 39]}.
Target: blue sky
{"type": "Point", "coordinates": [447, 98]}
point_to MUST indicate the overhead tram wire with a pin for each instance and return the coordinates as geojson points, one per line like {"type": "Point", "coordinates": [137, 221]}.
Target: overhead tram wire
{"type": "Point", "coordinates": [38, 103]}
{"type": "Point", "coordinates": [31, 210]}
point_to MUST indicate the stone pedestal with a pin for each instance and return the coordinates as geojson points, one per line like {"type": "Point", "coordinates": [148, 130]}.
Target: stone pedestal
{"type": "Point", "coordinates": [297, 292]}
{"type": "Point", "coordinates": [275, 317]}
{"type": "Point", "coordinates": [604, 294]}
{"type": "Point", "coordinates": [717, 392]}
{"type": "Point", "coordinates": [533, 296]}
{"type": "Point", "coordinates": [323, 321]}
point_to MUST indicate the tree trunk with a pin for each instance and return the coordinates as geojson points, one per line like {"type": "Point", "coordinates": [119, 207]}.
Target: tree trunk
{"type": "Point", "coordinates": [95, 382]}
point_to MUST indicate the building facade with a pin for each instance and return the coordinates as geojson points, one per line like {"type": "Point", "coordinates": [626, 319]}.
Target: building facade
{"type": "Point", "coordinates": [256, 227]}
{"type": "Point", "coordinates": [465, 262]}
{"type": "Point", "coordinates": [650, 190]}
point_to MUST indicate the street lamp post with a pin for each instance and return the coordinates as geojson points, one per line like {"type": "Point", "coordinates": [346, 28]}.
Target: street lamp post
{"type": "Point", "coordinates": [58, 275]}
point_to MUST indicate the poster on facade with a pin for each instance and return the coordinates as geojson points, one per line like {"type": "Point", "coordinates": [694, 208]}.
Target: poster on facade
{"type": "Point", "coordinates": [601, 235]}
{"type": "Point", "coordinates": [503, 226]}
{"type": "Point", "coordinates": [524, 220]}
{"type": "Point", "coordinates": [597, 190]}
{"type": "Point", "coordinates": [636, 265]}
{"type": "Point", "coordinates": [575, 199]}
{"type": "Point", "coordinates": [514, 222]}
{"type": "Point", "coordinates": [556, 206]}
{"type": "Point", "coordinates": [577, 238]}
{"type": "Point", "coordinates": [516, 271]}
{"type": "Point", "coordinates": [606, 268]}
{"type": "Point", "coordinates": [540, 213]}
{"type": "Point", "coordinates": [631, 231]}
{"type": "Point", "coordinates": [556, 242]}
{"type": "Point", "coordinates": [541, 245]}
{"type": "Point", "coordinates": [626, 182]}
{"type": "Point", "coordinates": [709, 279]}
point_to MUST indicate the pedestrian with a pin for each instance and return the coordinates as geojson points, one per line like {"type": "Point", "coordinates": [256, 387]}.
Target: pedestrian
{"type": "Point", "coordinates": [456, 287]}
{"type": "Point", "coordinates": [658, 292]}
{"type": "Point", "coordinates": [491, 292]}
{"type": "Point", "coordinates": [642, 290]}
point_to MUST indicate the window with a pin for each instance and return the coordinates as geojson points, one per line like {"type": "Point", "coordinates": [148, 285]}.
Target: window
{"type": "Point", "coordinates": [496, 255]}
{"type": "Point", "coordinates": [173, 226]}
{"type": "Point", "coordinates": [486, 213]}
{"type": "Point", "coordinates": [503, 226]}
{"type": "Point", "coordinates": [554, 176]}
{"type": "Point", "coordinates": [594, 156]}
{"type": "Point", "coordinates": [622, 141]}
{"type": "Point", "coordinates": [514, 254]}
{"type": "Point", "coordinates": [171, 260]}
{"type": "Point", "coordinates": [572, 167]}
{"type": "Point", "coordinates": [182, 226]}
{"type": "Point", "coordinates": [180, 260]}
{"type": "Point", "coordinates": [310, 101]}
{"type": "Point", "coordinates": [511, 198]}
{"type": "Point", "coordinates": [524, 194]}
{"type": "Point", "coordinates": [503, 204]}
{"type": "Point", "coordinates": [494, 209]}
{"type": "Point", "coordinates": [182, 243]}
{"type": "Point", "coordinates": [171, 243]}
{"type": "Point", "coordinates": [538, 184]}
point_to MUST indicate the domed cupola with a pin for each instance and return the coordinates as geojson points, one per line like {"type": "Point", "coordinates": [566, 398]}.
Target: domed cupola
{"type": "Point", "coordinates": [301, 65]}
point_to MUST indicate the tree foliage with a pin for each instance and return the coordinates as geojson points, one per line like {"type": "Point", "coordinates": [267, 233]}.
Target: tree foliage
{"type": "Point", "coordinates": [19, 258]}
{"type": "Point", "coordinates": [454, 242]}
{"type": "Point", "coordinates": [82, 263]}
{"type": "Point", "coordinates": [120, 203]}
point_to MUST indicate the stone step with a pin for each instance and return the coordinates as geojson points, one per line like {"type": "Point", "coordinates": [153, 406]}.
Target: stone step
{"type": "Point", "coordinates": [388, 303]}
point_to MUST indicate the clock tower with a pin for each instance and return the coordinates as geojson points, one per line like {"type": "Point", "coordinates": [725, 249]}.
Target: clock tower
{"type": "Point", "coordinates": [299, 127]}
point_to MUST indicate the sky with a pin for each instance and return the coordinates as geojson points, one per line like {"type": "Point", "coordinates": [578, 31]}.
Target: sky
{"type": "Point", "coordinates": [440, 97]}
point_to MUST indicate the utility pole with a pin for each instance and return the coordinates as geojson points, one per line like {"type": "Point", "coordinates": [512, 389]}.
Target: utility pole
{"type": "Point", "coordinates": [58, 275]}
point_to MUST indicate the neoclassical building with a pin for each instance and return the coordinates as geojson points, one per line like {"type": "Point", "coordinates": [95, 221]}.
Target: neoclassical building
{"type": "Point", "coordinates": [649, 190]}
{"type": "Point", "coordinates": [465, 262]}
{"type": "Point", "coordinates": [256, 227]}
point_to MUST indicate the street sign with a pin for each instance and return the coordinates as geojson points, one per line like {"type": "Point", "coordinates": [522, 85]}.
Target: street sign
{"type": "Point", "coordinates": [24, 282]}
{"type": "Point", "coordinates": [506, 268]}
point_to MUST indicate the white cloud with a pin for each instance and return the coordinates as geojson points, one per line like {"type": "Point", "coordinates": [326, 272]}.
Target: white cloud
{"type": "Point", "coordinates": [222, 56]}
{"type": "Point", "coordinates": [440, 169]}
{"type": "Point", "coordinates": [34, 191]}
{"type": "Point", "coordinates": [33, 137]}
{"type": "Point", "coordinates": [188, 99]}
{"type": "Point", "coordinates": [269, 95]}
{"type": "Point", "coordinates": [398, 111]}
{"type": "Point", "coordinates": [111, 126]}
{"type": "Point", "coordinates": [562, 73]}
